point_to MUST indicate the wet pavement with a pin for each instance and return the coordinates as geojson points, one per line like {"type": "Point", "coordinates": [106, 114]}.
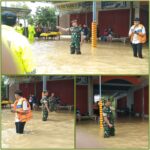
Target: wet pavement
{"type": "Point", "coordinates": [57, 132]}
{"type": "Point", "coordinates": [130, 133]}
{"type": "Point", "coordinates": [53, 57]}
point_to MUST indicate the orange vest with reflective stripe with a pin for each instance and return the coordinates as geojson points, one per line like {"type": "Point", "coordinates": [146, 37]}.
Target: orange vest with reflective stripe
{"type": "Point", "coordinates": [141, 36]}
{"type": "Point", "coordinates": [18, 106]}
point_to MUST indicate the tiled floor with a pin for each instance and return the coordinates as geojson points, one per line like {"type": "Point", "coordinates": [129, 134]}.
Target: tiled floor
{"type": "Point", "coordinates": [57, 132]}
{"type": "Point", "coordinates": [130, 133]}
{"type": "Point", "coordinates": [53, 57]}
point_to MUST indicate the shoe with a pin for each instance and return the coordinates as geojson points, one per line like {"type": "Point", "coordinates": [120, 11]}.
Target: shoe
{"type": "Point", "coordinates": [78, 53]}
{"type": "Point", "coordinates": [72, 52]}
{"type": "Point", "coordinates": [140, 57]}
{"type": "Point", "coordinates": [106, 136]}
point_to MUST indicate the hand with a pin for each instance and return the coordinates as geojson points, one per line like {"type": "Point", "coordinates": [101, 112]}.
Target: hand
{"type": "Point", "coordinates": [58, 27]}
{"type": "Point", "coordinates": [110, 125]}
{"type": "Point", "coordinates": [135, 32]}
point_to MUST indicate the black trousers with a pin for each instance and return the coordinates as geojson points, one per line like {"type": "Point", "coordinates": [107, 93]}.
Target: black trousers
{"type": "Point", "coordinates": [20, 127]}
{"type": "Point", "coordinates": [137, 50]}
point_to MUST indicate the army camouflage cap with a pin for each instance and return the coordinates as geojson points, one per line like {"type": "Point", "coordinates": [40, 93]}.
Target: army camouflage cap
{"type": "Point", "coordinates": [107, 100]}
{"type": "Point", "coordinates": [45, 91]}
{"type": "Point", "coordinates": [75, 20]}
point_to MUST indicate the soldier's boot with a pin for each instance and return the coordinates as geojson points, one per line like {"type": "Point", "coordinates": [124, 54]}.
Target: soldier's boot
{"type": "Point", "coordinates": [45, 116]}
{"type": "Point", "coordinates": [112, 131]}
{"type": "Point", "coordinates": [78, 52]}
{"type": "Point", "coordinates": [72, 50]}
{"type": "Point", "coordinates": [106, 134]}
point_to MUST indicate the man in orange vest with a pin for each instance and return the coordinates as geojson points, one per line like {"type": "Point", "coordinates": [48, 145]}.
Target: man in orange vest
{"type": "Point", "coordinates": [137, 36]}
{"type": "Point", "coordinates": [22, 111]}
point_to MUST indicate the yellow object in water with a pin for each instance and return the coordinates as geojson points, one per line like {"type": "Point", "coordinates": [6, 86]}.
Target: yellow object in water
{"type": "Point", "coordinates": [5, 102]}
{"type": "Point", "coordinates": [31, 33]}
{"type": "Point", "coordinates": [50, 34]}
{"type": "Point", "coordinates": [16, 52]}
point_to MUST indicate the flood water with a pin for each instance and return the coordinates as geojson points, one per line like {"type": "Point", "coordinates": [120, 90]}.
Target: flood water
{"type": "Point", "coordinates": [53, 57]}
{"type": "Point", "coordinates": [130, 133]}
{"type": "Point", "coordinates": [57, 132]}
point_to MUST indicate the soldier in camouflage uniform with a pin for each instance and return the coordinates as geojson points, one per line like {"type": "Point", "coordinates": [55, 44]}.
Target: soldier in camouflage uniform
{"type": "Point", "coordinates": [45, 106]}
{"type": "Point", "coordinates": [109, 129]}
{"type": "Point", "coordinates": [52, 102]}
{"type": "Point", "coordinates": [76, 37]}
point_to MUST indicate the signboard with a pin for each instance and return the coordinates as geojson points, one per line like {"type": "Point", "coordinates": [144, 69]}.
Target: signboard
{"type": "Point", "coordinates": [96, 98]}
{"type": "Point", "coordinates": [77, 6]}
{"type": "Point", "coordinates": [113, 4]}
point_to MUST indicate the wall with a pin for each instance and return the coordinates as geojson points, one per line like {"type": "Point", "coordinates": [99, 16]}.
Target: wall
{"type": "Point", "coordinates": [138, 100]}
{"type": "Point", "coordinates": [122, 102]}
{"type": "Point", "coordinates": [62, 88]}
{"type": "Point", "coordinates": [118, 20]}
{"type": "Point", "coordinates": [83, 18]}
{"type": "Point", "coordinates": [82, 98]}
{"type": "Point", "coordinates": [64, 21]}
{"type": "Point", "coordinates": [12, 89]}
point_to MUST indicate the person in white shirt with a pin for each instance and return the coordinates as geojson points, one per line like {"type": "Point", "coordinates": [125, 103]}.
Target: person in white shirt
{"type": "Point", "coordinates": [22, 111]}
{"type": "Point", "coordinates": [137, 36]}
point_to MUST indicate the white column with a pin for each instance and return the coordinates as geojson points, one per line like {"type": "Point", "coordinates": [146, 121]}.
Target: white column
{"type": "Point", "coordinates": [130, 98]}
{"type": "Point", "coordinates": [137, 9]}
{"type": "Point", "coordinates": [44, 83]}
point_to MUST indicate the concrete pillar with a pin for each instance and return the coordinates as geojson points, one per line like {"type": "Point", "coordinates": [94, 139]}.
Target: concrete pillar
{"type": "Point", "coordinates": [130, 98]}
{"type": "Point", "coordinates": [100, 89]}
{"type": "Point", "coordinates": [7, 91]}
{"type": "Point", "coordinates": [25, 29]}
{"type": "Point", "coordinates": [131, 12]}
{"type": "Point", "coordinates": [12, 90]}
{"type": "Point", "coordinates": [90, 95]}
{"type": "Point", "coordinates": [64, 21]}
{"type": "Point", "coordinates": [97, 9]}
{"type": "Point", "coordinates": [94, 11]}
{"type": "Point", "coordinates": [137, 9]}
{"type": "Point", "coordinates": [44, 83]}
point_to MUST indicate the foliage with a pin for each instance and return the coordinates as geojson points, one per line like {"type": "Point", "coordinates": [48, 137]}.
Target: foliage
{"type": "Point", "coordinates": [45, 16]}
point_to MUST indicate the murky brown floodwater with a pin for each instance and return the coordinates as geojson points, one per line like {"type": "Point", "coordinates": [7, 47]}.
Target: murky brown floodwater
{"type": "Point", "coordinates": [130, 133]}
{"type": "Point", "coordinates": [57, 132]}
{"type": "Point", "coordinates": [53, 57]}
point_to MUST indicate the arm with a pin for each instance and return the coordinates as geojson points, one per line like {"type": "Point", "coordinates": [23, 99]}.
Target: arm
{"type": "Point", "coordinates": [47, 107]}
{"type": "Point", "coordinates": [143, 32]}
{"type": "Point", "coordinates": [107, 121]}
{"type": "Point", "coordinates": [63, 29]}
{"type": "Point", "coordinates": [131, 32]}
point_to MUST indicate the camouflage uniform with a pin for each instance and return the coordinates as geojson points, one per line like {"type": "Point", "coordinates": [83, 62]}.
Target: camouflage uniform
{"type": "Point", "coordinates": [75, 39]}
{"type": "Point", "coordinates": [44, 100]}
{"type": "Point", "coordinates": [52, 103]}
{"type": "Point", "coordinates": [107, 130]}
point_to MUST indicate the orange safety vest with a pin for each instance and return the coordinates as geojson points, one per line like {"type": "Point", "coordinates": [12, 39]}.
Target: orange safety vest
{"type": "Point", "coordinates": [141, 36]}
{"type": "Point", "coordinates": [18, 106]}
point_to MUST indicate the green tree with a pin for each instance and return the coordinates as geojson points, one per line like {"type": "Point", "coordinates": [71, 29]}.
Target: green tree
{"type": "Point", "coordinates": [45, 16]}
